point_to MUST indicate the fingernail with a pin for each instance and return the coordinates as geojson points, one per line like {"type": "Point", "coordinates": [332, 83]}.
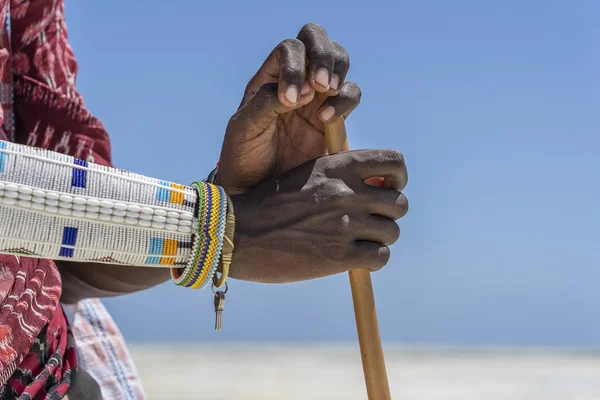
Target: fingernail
{"type": "Point", "coordinates": [327, 113]}
{"type": "Point", "coordinates": [335, 82]}
{"type": "Point", "coordinates": [322, 77]}
{"type": "Point", "coordinates": [291, 94]}
{"type": "Point", "coordinates": [305, 88]}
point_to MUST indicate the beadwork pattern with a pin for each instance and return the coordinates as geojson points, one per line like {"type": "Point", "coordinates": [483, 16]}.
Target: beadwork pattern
{"type": "Point", "coordinates": [208, 240]}
{"type": "Point", "coordinates": [59, 207]}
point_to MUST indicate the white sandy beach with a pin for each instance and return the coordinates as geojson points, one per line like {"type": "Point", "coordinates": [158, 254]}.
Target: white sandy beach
{"type": "Point", "coordinates": [334, 372]}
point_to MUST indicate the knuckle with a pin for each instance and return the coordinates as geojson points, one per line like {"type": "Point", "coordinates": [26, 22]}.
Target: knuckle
{"type": "Point", "coordinates": [344, 225]}
{"type": "Point", "coordinates": [327, 163]}
{"type": "Point", "coordinates": [335, 163]}
{"type": "Point", "coordinates": [289, 48]}
{"type": "Point", "coordinates": [291, 53]}
{"type": "Point", "coordinates": [367, 159]}
{"type": "Point", "coordinates": [358, 156]}
{"type": "Point", "coordinates": [341, 55]}
{"type": "Point", "coordinates": [312, 27]}
{"type": "Point", "coordinates": [394, 157]}
{"type": "Point", "coordinates": [342, 196]}
{"type": "Point", "coordinates": [291, 43]}
{"type": "Point", "coordinates": [351, 91]}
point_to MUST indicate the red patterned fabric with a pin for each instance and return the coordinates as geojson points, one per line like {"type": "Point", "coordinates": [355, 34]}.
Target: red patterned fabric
{"type": "Point", "coordinates": [30, 292]}
{"type": "Point", "coordinates": [37, 354]}
{"type": "Point", "coordinates": [36, 345]}
{"type": "Point", "coordinates": [49, 111]}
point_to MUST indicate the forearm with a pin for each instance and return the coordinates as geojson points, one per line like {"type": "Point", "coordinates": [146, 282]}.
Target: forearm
{"type": "Point", "coordinates": [86, 280]}
{"type": "Point", "coordinates": [54, 206]}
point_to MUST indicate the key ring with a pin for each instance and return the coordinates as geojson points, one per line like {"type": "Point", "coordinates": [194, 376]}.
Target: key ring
{"type": "Point", "coordinates": [215, 291]}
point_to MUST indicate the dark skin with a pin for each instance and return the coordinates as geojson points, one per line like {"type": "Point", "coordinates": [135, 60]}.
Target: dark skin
{"type": "Point", "coordinates": [279, 124]}
{"type": "Point", "coordinates": [320, 218]}
{"type": "Point", "coordinates": [315, 220]}
{"type": "Point", "coordinates": [299, 215]}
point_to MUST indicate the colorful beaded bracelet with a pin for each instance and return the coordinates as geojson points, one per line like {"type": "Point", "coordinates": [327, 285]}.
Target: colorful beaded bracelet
{"type": "Point", "coordinates": [208, 241]}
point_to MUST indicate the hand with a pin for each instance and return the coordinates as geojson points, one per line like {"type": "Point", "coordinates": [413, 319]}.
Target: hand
{"type": "Point", "coordinates": [280, 121]}
{"type": "Point", "coordinates": [320, 218]}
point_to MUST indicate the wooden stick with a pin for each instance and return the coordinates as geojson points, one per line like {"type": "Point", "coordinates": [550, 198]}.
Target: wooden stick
{"type": "Point", "coordinates": [364, 302]}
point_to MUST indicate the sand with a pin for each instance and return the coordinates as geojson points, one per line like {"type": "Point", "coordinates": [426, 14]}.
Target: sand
{"type": "Point", "coordinates": [334, 372]}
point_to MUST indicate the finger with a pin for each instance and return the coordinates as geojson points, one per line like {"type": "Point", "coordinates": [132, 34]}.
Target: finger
{"type": "Point", "coordinates": [387, 203]}
{"type": "Point", "coordinates": [306, 95]}
{"type": "Point", "coordinates": [291, 57]}
{"type": "Point", "coordinates": [285, 65]}
{"type": "Point", "coordinates": [378, 229]}
{"type": "Point", "coordinates": [340, 68]}
{"type": "Point", "coordinates": [341, 105]}
{"type": "Point", "coordinates": [370, 255]}
{"type": "Point", "coordinates": [264, 105]}
{"type": "Point", "coordinates": [321, 56]}
{"type": "Point", "coordinates": [386, 163]}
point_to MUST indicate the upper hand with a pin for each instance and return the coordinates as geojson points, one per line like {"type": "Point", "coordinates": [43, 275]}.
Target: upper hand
{"type": "Point", "coordinates": [279, 124]}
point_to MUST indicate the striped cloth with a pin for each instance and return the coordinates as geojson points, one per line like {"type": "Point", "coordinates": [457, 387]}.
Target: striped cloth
{"type": "Point", "coordinates": [102, 352]}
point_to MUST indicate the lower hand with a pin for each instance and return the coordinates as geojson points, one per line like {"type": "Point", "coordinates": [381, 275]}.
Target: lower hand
{"type": "Point", "coordinates": [320, 218]}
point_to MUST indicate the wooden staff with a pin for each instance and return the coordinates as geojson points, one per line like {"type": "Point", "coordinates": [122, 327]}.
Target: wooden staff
{"type": "Point", "coordinates": [364, 302]}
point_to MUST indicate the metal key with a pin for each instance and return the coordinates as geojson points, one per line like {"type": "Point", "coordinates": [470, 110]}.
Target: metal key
{"type": "Point", "coordinates": [219, 306]}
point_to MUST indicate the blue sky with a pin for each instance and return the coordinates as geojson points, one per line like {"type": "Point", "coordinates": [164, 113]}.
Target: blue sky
{"type": "Point", "coordinates": [494, 105]}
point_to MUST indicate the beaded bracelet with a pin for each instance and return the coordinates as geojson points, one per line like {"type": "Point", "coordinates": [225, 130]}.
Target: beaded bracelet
{"type": "Point", "coordinates": [208, 241]}
{"type": "Point", "coordinates": [59, 207]}
{"type": "Point", "coordinates": [227, 253]}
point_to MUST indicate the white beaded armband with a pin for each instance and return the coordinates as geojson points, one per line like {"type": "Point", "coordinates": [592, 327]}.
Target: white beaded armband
{"type": "Point", "coordinates": [59, 207]}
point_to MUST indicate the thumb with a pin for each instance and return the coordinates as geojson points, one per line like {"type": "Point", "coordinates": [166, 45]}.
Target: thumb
{"type": "Point", "coordinates": [239, 168]}
{"type": "Point", "coordinates": [261, 109]}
